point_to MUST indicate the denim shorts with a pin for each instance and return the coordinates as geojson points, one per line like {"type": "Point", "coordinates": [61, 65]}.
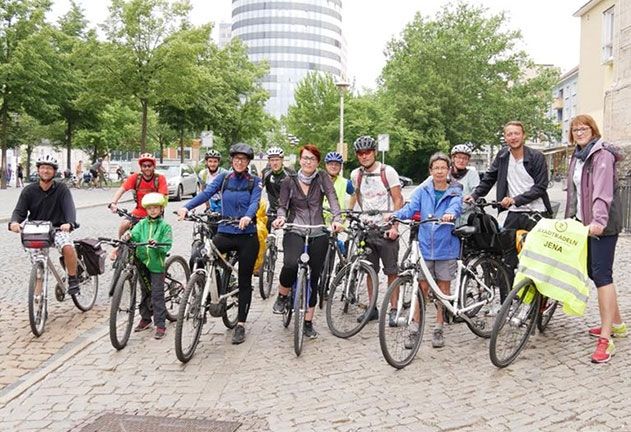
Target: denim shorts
{"type": "Point", "coordinates": [600, 256]}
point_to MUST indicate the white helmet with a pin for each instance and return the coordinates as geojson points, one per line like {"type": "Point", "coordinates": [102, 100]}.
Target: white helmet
{"type": "Point", "coordinates": [47, 160]}
{"type": "Point", "coordinates": [461, 148]}
{"type": "Point", "coordinates": [275, 152]}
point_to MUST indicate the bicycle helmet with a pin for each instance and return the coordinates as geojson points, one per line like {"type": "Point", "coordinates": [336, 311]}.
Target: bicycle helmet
{"type": "Point", "coordinates": [146, 157]}
{"type": "Point", "coordinates": [275, 152]}
{"type": "Point", "coordinates": [241, 148]}
{"type": "Point", "coordinates": [333, 157]}
{"type": "Point", "coordinates": [461, 148]}
{"type": "Point", "coordinates": [212, 154]}
{"type": "Point", "coordinates": [154, 199]}
{"type": "Point", "coordinates": [47, 160]}
{"type": "Point", "coordinates": [365, 143]}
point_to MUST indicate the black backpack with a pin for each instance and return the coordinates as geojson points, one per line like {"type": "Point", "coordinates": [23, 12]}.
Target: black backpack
{"type": "Point", "coordinates": [487, 228]}
{"type": "Point", "coordinates": [93, 255]}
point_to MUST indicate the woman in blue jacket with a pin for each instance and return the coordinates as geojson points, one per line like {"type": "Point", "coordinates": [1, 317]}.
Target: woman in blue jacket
{"type": "Point", "coordinates": [240, 196]}
{"type": "Point", "coordinates": [440, 199]}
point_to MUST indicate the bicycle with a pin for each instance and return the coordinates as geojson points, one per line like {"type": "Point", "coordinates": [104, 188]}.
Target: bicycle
{"type": "Point", "coordinates": [476, 297]}
{"type": "Point", "coordinates": [123, 306]}
{"type": "Point", "coordinates": [212, 289]}
{"type": "Point", "coordinates": [330, 268]}
{"type": "Point", "coordinates": [266, 275]}
{"type": "Point", "coordinates": [298, 302]}
{"type": "Point", "coordinates": [348, 304]}
{"type": "Point", "coordinates": [121, 255]}
{"type": "Point", "coordinates": [37, 238]}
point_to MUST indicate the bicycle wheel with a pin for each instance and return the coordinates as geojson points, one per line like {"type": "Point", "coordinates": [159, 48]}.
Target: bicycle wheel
{"type": "Point", "coordinates": [300, 309]}
{"type": "Point", "coordinates": [230, 282]}
{"type": "Point", "coordinates": [289, 310]}
{"type": "Point", "coordinates": [399, 344]}
{"type": "Point", "coordinates": [547, 309]}
{"type": "Point", "coordinates": [325, 276]}
{"type": "Point", "coordinates": [266, 275]}
{"type": "Point", "coordinates": [88, 290]}
{"type": "Point", "coordinates": [119, 264]}
{"type": "Point", "coordinates": [480, 272]}
{"type": "Point", "coordinates": [176, 277]}
{"type": "Point", "coordinates": [348, 299]}
{"type": "Point", "coordinates": [37, 303]}
{"type": "Point", "coordinates": [514, 323]}
{"type": "Point", "coordinates": [190, 318]}
{"type": "Point", "coordinates": [122, 310]}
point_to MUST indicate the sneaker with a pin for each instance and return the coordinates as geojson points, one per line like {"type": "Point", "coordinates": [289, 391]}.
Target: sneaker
{"type": "Point", "coordinates": [605, 349]}
{"type": "Point", "coordinates": [617, 331]}
{"type": "Point", "coordinates": [412, 336]}
{"type": "Point", "coordinates": [392, 318]}
{"type": "Point", "coordinates": [73, 285]}
{"type": "Point", "coordinates": [374, 314]}
{"type": "Point", "coordinates": [239, 335]}
{"type": "Point", "coordinates": [142, 325]}
{"type": "Point", "coordinates": [310, 332]}
{"type": "Point", "coordinates": [438, 341]}
{"type": "Point", "coordinates": [160, 333]}
{"type": "Point", "coordinates": [280, 304]}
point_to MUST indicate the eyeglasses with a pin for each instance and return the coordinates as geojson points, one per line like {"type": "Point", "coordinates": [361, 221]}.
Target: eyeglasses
{"type": "Point", "coordinates": [580, 130]}
{"type": "Point", "coordinates": [240, 159]}
{"type": "Point", "coordinates": [364, 152]}
{"type": "Point", "coordinates": [146, 166]}
{"type": "Point", "coordinates": [308, 158]}
{"type": "Point", "coordinates": [440, 168]}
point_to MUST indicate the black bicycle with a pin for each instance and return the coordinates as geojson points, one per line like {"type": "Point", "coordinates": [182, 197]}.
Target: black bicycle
{"type": "Point", "coordinates": [121, 253]}
{"type": "Point", "coordinates": [268, 268]}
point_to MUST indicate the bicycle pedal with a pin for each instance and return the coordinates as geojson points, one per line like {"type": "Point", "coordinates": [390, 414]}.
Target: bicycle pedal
{"type": "Point", "coordinates": [60, 295]}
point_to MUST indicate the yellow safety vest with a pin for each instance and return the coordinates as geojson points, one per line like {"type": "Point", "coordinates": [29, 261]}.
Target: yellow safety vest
{"type": "Point", "coordinates": [340, 191]}
{"type": "Point", "coordinates": [554, 256]}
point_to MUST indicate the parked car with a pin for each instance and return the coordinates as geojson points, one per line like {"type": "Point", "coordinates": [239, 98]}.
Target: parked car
{"type": "Point", "coordinates": [405, 181]}
{"type": "Point", "coordinates": [181, 180]}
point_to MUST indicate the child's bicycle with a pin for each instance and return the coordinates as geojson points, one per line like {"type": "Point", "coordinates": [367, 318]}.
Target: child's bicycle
{"type": "Point", "coordinates": [124, 304]}
{"type": "Point", "coordinates": [121, 254]}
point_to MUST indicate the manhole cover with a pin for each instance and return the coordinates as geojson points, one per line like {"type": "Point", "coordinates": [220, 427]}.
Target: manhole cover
{"type": "Point", "coordinates": [130, 423]}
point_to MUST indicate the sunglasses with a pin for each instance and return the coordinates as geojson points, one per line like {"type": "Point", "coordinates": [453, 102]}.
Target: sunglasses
{"type": "Point", "coordinates": [146, 165]}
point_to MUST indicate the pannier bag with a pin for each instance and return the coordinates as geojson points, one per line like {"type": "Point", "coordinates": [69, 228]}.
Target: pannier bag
{"type": "Point", "coordinates": [92, 254]}
{"type": "Point", "coordinates": [487, 228]}
{"type": "Point", "coordinates": [37, 235]}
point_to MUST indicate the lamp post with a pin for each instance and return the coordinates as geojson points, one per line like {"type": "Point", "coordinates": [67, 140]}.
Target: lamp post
{"type": "Point", "coordinates": [342, 87]}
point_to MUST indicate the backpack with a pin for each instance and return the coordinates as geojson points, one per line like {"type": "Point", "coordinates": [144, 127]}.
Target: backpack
{"type": "Point", "coordinates": [228, 176]}
{"type": "Point", "coordinates": [384, 180]}
{"type": "Point", "coordinates": [92, 254]}
{"type": "Point", "coordinates": [487, 230]}
{"type": "Point", "coordinates": [139, 179]}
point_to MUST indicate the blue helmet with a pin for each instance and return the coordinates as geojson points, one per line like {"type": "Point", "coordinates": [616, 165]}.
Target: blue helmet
{"type": "Point", "coordinates": [333, 157]}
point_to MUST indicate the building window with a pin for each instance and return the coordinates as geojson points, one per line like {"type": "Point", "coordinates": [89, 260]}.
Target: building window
{"type": "Point", "coordinates": [607, 47]}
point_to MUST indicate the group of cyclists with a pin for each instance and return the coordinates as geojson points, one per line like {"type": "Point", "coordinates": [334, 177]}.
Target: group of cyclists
{"type": "Point", "coordinates": [311, 196]}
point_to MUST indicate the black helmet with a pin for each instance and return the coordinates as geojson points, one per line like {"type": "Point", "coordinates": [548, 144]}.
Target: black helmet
{"type": "Point", "coordinates": [365, 143]}
{"type": "Point", "coordinates": [242, 149]}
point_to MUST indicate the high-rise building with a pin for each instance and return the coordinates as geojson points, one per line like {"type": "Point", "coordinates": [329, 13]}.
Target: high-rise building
{"type": "Point", "coordinates": [295, 37]}
{"type": "Point", "coordinates": [224, 34]}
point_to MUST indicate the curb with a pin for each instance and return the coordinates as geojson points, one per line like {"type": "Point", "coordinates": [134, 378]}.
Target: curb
{"type": "Point", "coordinates": [79, 207]}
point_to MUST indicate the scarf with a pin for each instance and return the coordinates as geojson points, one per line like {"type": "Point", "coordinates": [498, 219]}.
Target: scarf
{"type": "Point", "coordinates": [458, 173]}
{"type": "Point", "coordinates": [306, 179]}
{"type": "Point", "coordinates": [582, 153]}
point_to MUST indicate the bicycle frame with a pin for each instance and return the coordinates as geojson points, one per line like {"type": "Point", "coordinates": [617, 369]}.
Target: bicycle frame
{"type": "Point", "coordinates": [211, 286]}
{"type": "Point", "coordinates": [43, 256]}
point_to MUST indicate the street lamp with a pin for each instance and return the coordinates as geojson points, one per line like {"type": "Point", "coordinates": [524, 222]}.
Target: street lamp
{"type": "Point", "coordinates": [342, 87]}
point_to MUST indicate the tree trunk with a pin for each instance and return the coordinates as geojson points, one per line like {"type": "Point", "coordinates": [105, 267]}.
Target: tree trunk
{"type": "Point", "coordinates": [27, 168]}
{"type": "Point", "coordinates": [143, 132]}
{"type": "Point", "coordinates": [4, 125]}
{"type": "Point", "coordinates": [68, 143]}
{"type": "Point", "coordinates": [161, 140]}
{"type": "Point", "coordinates": [182, 145]}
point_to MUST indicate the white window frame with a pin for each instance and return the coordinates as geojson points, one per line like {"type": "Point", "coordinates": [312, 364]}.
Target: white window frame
{"type": "Point", "coordinates": [608, 35]}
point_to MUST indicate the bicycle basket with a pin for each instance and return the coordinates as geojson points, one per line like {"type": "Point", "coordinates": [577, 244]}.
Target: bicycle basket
{"type": "Point", "coordinates": [37, 235]}
{"type": "Point", "coordinates": [93, 255]}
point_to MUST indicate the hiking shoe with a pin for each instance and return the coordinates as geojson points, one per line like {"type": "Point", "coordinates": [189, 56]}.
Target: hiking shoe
{"type": "Point", "coordinates": [392, 318]}
{"type": "Point", "coordinates": [412, 336]}
{"type": "Point", "coordinates": [73, 285]}
{"type": "Point", "coordinates": [605, 349]}
{"type": "Point", "coordinates": [280, 304]}
{"type": "Point", "coordinates": [160, 333]}
{"type": "Point", "coordinates": [374, 314]}
{"type": "Point", "coordinates": [310, 332]}
{"type": "Point", "coordinates": [142, 325]}
{"type": "Point", "coordinates": [239, 335]}
{"type": "Point", "coordinates": [617, 331]}
{"type": "Point", "coordinates": [438, 341]}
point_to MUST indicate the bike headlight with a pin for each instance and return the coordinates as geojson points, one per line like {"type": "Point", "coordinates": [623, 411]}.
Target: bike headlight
{"type": "Point", "coordinates": [304, 258]}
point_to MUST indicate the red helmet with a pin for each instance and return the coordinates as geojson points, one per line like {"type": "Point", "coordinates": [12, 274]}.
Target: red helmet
{"type": "Point", "coordinates": [146, 157]}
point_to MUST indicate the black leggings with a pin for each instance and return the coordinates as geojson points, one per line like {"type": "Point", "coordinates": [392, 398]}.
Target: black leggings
{"type": "Point", "coordinates": [247, 246]}
{"type": "Point", "coordinates": [293, 245]}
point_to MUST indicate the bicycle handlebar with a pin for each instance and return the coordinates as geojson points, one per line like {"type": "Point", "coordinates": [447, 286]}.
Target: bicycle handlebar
{"type": "Point", "coordinates": [117, 242]}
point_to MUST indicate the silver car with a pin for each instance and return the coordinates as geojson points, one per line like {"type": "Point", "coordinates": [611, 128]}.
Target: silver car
{"type": "Point", "coordinates": [181, 180]}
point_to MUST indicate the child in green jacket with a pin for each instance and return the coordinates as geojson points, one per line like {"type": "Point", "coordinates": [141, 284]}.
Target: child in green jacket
{"type": "Point", "coordinates": [150, 260]}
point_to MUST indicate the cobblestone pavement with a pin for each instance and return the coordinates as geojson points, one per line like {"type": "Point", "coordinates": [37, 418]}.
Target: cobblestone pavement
{"type": "Point", "coordinates": [341, 385]}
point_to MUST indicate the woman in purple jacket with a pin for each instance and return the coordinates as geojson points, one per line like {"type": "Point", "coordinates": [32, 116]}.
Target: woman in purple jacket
{"type": "Point", "coordinates": [593, 198]}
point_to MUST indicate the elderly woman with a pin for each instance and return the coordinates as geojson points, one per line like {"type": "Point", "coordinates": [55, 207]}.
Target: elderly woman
{"type": "Point", "coordinates": [300, 202]}
{"type": "Point", "coordinates": [593, 199]}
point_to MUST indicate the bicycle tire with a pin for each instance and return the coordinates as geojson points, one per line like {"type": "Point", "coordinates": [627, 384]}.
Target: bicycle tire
{"type": "Point", "coordinates": [392, 340]}
{"type": "Point", "coordinates": [289, 310]}
{"type": "Point", "coordinates": [174, 285]}
{"type": "Point", "coordinates": [344, 304]}
{"type": "Point", "coordinates": [266, 275]}
{"type": "Point", "coordinates": [495, 276]}
{"type": "Point", "coordinates": [546, 312]}
{"type": "Point", "coordinates": [519, 315]}
{"type": "Point", "coordinates": [300, 309]}
{"type": "Point", "coordinates": [325, 276]}
{"type": "Point", "coordinates": [119, 264]}
{"type": "Point", "coordinates": [229, 281]}
{"type": "Point", "coordinates": [122, 310]}
{"type": "Point", "coordinates": [190, 312]}
{"type": "Point", "coordinates": [37, 305]}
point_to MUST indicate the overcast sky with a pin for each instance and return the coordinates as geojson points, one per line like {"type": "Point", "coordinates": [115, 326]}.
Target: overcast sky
{"type": "Point", "coordinates": [550, 32]}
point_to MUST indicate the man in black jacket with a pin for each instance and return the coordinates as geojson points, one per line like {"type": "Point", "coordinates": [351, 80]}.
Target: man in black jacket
{"type": "Point", "coordinates": [48, 200]}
